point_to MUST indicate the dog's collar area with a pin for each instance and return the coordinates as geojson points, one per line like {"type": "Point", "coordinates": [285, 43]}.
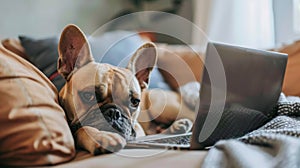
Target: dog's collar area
{"type": "Point", "coordinates": [54, 75]}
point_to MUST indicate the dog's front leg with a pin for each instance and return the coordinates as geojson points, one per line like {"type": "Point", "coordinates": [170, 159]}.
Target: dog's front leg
{"type": "Point", "coordinates": [98, 142]}
{"type": "Point", "coordinates": [139, 130]}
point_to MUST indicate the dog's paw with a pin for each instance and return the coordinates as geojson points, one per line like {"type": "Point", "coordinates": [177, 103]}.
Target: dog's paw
{"type": "Point", "coordinates": [99, 142]}
{"type": "Point", "coordinates": [108, 142]}
{"type": "Point", "coordinates": [180, 126]}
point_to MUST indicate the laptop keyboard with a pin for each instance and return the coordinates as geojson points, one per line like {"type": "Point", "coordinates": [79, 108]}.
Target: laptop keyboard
{"type": "Point", "coordinates": [179, 140]}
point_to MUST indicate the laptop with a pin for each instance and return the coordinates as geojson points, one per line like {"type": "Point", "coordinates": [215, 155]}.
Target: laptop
{"type": "Point", "coordinates": [240, 87]}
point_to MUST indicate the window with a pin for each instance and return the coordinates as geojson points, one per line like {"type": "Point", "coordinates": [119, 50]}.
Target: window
{"type": "Point", "coordinates": [287, 21]}
{"type": "Point", "coordinates": [296, 16]}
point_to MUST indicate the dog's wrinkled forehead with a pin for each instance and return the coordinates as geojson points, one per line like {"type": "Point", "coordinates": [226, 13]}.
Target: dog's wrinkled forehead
{"type": "Point", "coordinates": [106, 75]}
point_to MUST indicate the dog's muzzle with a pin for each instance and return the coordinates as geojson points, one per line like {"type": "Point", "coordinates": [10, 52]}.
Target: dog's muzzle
{"type": "Point", "coordinates": [109, 117]}
{"type": "Point", "coordinates": [116, 118]}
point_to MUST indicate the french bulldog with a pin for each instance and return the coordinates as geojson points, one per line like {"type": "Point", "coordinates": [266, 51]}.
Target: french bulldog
{"type": "Point", "coordinates": [102, 102]}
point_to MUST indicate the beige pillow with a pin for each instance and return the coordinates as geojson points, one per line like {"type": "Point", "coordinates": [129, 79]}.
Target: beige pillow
{"type": "Point", "coordinates": [291, 83]}
{"type": "Point", "coordinates": [33, 126]}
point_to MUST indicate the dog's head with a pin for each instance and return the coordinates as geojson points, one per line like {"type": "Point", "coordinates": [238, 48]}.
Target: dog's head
{"type": "Point", "coordinates": [101, 95]}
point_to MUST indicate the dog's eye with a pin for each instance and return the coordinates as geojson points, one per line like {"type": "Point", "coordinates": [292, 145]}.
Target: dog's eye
{"type": "Point", "coordinates": [134, 102]}
{"type": "Point", "coordinates": [88, 97]}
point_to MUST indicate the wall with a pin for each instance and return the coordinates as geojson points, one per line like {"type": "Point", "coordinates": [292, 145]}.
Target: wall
{"type": "Point", "coordinates": [44, 18]}
{"type": "Point", "coordinates": [39, 18]}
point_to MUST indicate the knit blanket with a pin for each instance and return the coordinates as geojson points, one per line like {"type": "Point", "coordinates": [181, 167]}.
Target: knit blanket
{"type": "Point", "coordinates": [275, 144]}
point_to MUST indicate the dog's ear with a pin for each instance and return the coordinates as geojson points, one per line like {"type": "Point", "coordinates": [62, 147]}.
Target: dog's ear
{"type": "Point", "coordinates": [74, 51]}
{"type": "Point", "coordinates": [142, 63]}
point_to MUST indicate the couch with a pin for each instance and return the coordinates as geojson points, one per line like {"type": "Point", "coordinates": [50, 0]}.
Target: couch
{"type": "Point", "coordinates": [36, 133]}
{"type": "Point", "coordinates": [43, 137]}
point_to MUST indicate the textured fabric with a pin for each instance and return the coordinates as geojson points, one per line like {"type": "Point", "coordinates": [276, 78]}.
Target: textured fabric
{"type": "Point", "coordinates": [33, 126]}
{"type": "Point", "coordinates": [276, 144]}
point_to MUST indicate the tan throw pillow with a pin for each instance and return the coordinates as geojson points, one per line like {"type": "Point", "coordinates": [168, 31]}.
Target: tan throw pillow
{"type": "Point", "coordinates": [33, 126]}
{"type": "Point", "coordinates": [291, 83]}
{"type": "Point", "coordinates": [179, 64]}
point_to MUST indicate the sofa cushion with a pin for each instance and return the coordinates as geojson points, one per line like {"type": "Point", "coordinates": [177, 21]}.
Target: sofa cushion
{"type": "Point", "coordinates": [291, 83]}
{"type": "Point", "coordinates": [179, 64]}
{"type": "Point", "coordinates": [34, 130]}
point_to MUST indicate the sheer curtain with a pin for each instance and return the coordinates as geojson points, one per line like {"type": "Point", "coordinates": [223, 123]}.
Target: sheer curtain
{"type": "Point", "coordinates": [248, 23]}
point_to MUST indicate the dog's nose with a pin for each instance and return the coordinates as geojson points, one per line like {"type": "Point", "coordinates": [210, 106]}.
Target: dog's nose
{"type": "Point", "coordinates": [114, 113]}
{"type": "Point", "coordinates": [111, 112]}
